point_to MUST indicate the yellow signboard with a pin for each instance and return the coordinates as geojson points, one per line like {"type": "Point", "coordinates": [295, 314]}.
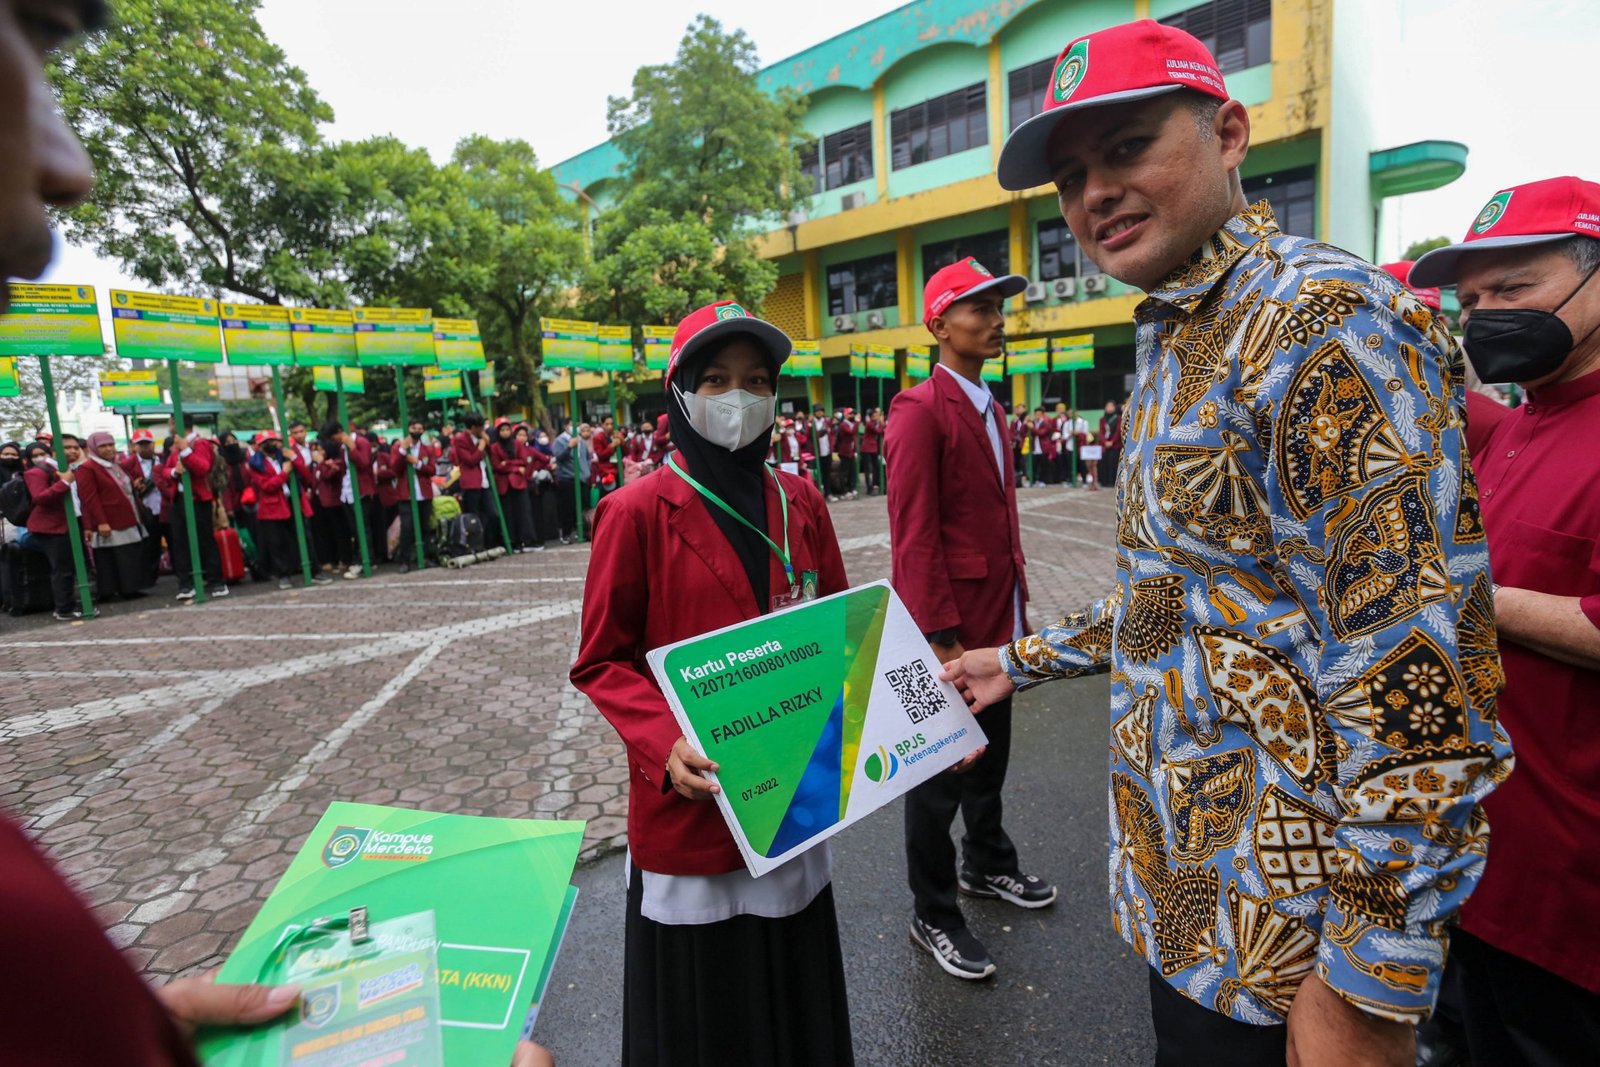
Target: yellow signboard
{"type": "Point", "coordinates": [152, 326]}
{"type": "Point", "coordinates": [323, 337]}
{"type": "Point", "coordinates": [51, 320]}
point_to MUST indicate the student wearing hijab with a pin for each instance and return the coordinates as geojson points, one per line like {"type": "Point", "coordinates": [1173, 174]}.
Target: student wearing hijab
{"type": "Point", "coordinates": [111, 521]}
{"type": "Point", "coordinates": [719, 967]}
{"type": "Point", "coordinates": [508, 456]}
{"type": "Point", "coordinates": [47, 524]}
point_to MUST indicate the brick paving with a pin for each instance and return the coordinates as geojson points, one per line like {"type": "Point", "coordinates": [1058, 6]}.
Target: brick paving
{"type": "Point", "coordinates": [172, 758]}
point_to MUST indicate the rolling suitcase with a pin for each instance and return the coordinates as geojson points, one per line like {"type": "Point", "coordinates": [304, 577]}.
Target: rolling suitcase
{"type": "Point", "coordinates": [232, 553]}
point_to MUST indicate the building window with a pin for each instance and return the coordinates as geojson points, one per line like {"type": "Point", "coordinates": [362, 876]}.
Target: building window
{"type": "Point", "coordinates": [1028, 86]}
{"type": "Point", "coordinates": [840, 158]}
{"type": "Point", "coordinates": [1238, 32]}
{"type": "Point", "coordinates": [1292, 194]}
{"type": "Point", "coordinates": [940, 127]}
{"type": "Point", "coordinates": [1059, 254]}
{"type": "Point", "coordinates": [862, 285]}
{"type": "Point", "coordinates": [992, 249]}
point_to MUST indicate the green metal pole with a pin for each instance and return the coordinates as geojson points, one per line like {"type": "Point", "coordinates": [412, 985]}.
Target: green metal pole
{"type": "Point", "coordinates": [80, 566]}
{"type": "Point", "coordinates": [883, 467]}
{"type": "Point", "coordinates": [355, 481]}
{"type": "Point", "coordinates": [488, 469]}
{"type": "Point", "coordinates": [572, 416]}
{"type": "Point", "coordinates": [611, 395]}
{"type": "Point", "coordinates": [294, 479]}
{"type": "Point", "coordinates": [411, 471]}
{"type": "Point", "coordinates": [197, 577]}
{"type": "Point", "coordinates": [1072, 412]}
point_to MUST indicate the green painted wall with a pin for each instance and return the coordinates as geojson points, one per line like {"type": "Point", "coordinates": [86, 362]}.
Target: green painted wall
{"type": "Point", "coordinates": [947, 229]}
{"type": "Point", "coordinates": [1044, 30]}
{"type": "Point", "coordinates": [930, 73]}
{"type": "Point", "coordinates": [844, 253]}
{"type": "Point", "coordinates": [830, 111]}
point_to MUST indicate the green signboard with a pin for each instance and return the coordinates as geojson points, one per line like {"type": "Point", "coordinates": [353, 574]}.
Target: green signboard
{"type": "Point", "coordinates": [457, 345]}
{"type": "Point", "coordinates": [130, 388]}
{"type": "Point", "coordinates": [257, 335]}
{"type": "Point", "coordinates": [657, 346]}
{"type": "Point", "coordinates": [994, 370]}
{"type": "Point", "coordinates": [325, 380]}
{"type": "Point", "coordinates": [497, 890]}
{"type": "Point", "coordinates": [151, 326]}
{"type": "Point", "coordinates": [441, 384]}
{"type": "Point", "coordinates": [919, 361]}
{"type": "Point", "coordinates": [615, 348]}
{"type": "Point", "coordinates": [1075, 352]}
{"type": "Point", "coordinates": [570, 343]}
{"type": "Point", "coordinates": [880, 361]}
{"type": "Point", "coordinates": [10, 384]}
{"type": "Point", "coordinates": [858, 361]}
{"type": "Point", "coordinates": [393, 337]}
{"type": "Point", "coordinates": [487, 385]}
{"type": "Point", "coordinates": [805, 361]}
{"type": "Point", "coordinates": [816, 716]}
{"type": "Point", "coordinates": [1028, 357]}
{"type": "Point", "coordinates": [51, 320]}
{"type": "Point", "coordinates": [323, 337]}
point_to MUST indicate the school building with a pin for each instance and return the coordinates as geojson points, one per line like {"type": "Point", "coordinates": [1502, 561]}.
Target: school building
{"type": "Point", "coordinates": [906, 116]}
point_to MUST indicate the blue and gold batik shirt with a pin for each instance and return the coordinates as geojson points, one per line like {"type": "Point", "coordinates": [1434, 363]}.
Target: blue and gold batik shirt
{"type": "Point", "coordinates": [1301, 639]}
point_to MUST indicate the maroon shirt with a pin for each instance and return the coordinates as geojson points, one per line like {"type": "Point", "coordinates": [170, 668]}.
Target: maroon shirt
{"type": "Point", "coordinates": [70, 998]}
{"type": "Point", "coordinates": [1539, 486]}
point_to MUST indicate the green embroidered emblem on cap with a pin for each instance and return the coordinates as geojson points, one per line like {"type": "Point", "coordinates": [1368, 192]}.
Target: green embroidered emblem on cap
{"type": "Point", "coordinates": [732, 311]}
{"type": "Point", "coordinates": [1069, 75]}
{"type": "Point", "coordinates": [1492, 212]}
{"type": "Point", "coordinates": [979, 267]}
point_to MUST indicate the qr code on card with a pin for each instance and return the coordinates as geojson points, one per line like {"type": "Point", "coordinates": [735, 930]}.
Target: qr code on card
{"type": "Point", "coordinates": [918, 691]}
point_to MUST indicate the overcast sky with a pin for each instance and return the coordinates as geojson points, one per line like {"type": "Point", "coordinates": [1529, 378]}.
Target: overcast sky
{"type": "Point", "coordinates": [1515, 83]}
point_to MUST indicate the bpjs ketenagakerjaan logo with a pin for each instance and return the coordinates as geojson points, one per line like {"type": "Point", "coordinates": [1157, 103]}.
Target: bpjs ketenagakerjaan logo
{"type": "Point", "coordinates": [349, 843]}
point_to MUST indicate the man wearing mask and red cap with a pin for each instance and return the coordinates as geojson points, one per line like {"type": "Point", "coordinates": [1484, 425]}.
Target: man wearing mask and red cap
{"type": "Point", "coordinates": [1300, 640]}
{"type": "Point", "coordinates": [957, 564]}
{"type": "Point", "coordinates": [1524, 971]}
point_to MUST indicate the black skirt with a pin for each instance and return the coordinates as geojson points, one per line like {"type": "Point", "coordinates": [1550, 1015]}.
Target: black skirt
{"type": "Point", "coordinates": [747, 990]}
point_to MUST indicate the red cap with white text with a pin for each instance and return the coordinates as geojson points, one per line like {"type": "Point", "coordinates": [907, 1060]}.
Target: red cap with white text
{"type": "Point", "coordinates": [1537, 213]}
{"type": "Point", "coordinates": [1112, 66]}
{"type": "Point", "coordinates": [964, 278]}
{"type": "Point", "coordinates": [718, 320]}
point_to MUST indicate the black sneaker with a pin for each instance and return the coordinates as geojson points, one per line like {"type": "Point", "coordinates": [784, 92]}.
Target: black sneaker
{"type": "Point", "coordinates": [284, 583]}
{"type": "Point", "coordinates": [68, 616]}
{"type": "Point", "coordinates": [1023, 890]}
{"type": "Point", "coordinates": [218, 593]}
{"type": "Point", "coordinates": [957, 951]}
{"type": "Point", "coordinates": [321, 579]}
{"type": "Point", "coordinates": [186, 594]}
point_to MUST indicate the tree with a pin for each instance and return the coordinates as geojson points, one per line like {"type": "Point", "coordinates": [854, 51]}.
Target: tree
{"type": "Point", "coordinates": [1417, 249]}
{"type": "Point", "coordinates": [709, 161]}
{"type": "Point", "coordinates": [24, 417]}
{"type": "Point", "coordinates": [190, 115]}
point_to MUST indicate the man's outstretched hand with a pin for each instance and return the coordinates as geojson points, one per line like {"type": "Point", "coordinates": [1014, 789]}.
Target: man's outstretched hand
{"type": "Point", "coordinates": [200, 1001]}
{"type": "Point", "coordinates": [980, 679]}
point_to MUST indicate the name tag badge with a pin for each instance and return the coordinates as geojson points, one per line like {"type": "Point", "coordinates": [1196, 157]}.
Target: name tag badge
{"type": "Point", "coordinates": [808, 585]}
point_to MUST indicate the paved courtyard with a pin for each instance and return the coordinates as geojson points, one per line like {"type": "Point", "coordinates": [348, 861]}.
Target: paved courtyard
{"type": "Point", "coordinates": [172, 758]}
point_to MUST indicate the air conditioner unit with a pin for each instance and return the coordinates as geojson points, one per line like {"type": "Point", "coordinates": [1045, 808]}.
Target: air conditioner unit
{"type": "Point", "coordinates": [852, 200]}
{"type": "Point", "coordinates": [1094, 283]}
{"type": "Point", "coordinates": [1034, 293]}
{"type": "Point", "coordinates": [875, 320]}
{"type": "Point", "coordinates": [1064, 288]}
{"type": "Point", "coordinates": [844, 323]}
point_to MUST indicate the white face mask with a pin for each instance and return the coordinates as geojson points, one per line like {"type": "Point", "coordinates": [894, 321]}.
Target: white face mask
{"type": "Point", "coordinates": [732, 419]}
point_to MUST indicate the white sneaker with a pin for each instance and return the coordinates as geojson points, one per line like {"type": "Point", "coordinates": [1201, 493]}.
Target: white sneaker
{"type": "Point", "coordinates": [186, 594]}
{"type": "Point", "coordinates": [354, 571]}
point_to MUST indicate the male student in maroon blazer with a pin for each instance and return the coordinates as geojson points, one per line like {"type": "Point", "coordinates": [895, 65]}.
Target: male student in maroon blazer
{"type": "Point", "coordinates": [957, 564]}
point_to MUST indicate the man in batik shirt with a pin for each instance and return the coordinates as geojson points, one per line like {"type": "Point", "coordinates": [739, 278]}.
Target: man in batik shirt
{"type": "Point", "coordinates": [1301, 640]}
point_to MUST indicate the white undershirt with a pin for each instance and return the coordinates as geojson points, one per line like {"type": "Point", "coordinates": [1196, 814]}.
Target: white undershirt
{"type": "Point", "coordinates": [695, 899]}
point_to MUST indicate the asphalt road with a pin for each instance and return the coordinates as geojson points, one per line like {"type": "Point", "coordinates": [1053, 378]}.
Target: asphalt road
{"type": "Point", "coordinates": [1068, 991]}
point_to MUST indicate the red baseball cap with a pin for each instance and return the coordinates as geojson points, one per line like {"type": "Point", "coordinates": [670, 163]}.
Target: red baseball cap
{"type": "Point", "coordinates": [1537, 213]}
{"type": "Point", "coordinates": [706, 324]}
{"type": "Point", "coordinates": [1112, 66]}
{"type": "Point", "coordinates": [267, 435]}
{"type": "Point", "coordinates": [1401, 270]}
{"type": "Point", "coordinates": [142, 435]}
{"type": "Point", "coordinates": [961, 279]}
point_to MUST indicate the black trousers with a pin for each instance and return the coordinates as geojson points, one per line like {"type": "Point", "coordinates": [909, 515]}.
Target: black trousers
{"type": "Point", "coordinates": [332, 528]}
{"type": "Point", "coordinates": [1513, 1013]}
{"type": "Point", "coordinates": [985, 846]}
{"type": "Point", "coordinates": [279, 553]}
{"type": "Point", "coordinates": [518, 509]}
{"type": "Point", "coordinates": [424, 512]}
{"type": "Point", "coordinates": [872, 468]}
{"type": "Point", "coordinates": [847, 473]}
{"type": "Point", "coordinates": [481, 502]}
{"type": "Point", "coordinates": [63, 579]}
{"type": "Point", "coordinates": [210, 558]}
{"type": "Point", "coordinates": [1108, 465]}
{"type": "Point", "coordinates": [544, 512]}
{"type": "Point", "coordinates": [377, 529]}
{"type": "Point", "coordinates": [159, 537]}
{"type": "Point", "coordinates": [1192, 1035]}
{"type": "Point", "coordinates": [566, 508]}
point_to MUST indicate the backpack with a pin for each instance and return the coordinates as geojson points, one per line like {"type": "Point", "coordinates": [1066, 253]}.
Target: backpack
{"type": "Point", "coordinates": [466, 535]}
{"type": "Point", "coordinates": [16, 502]}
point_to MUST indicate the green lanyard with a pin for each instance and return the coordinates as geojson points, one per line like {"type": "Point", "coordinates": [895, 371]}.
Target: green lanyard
{"type": "Point", "coordinates": [783, 498]}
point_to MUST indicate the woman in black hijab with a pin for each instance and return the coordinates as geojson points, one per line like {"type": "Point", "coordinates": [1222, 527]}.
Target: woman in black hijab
{"type": "Point", "coordinates": [721, 968]}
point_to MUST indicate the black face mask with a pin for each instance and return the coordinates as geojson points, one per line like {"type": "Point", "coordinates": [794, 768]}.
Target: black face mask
{"type": "Point", "coordinates": [9, 466]}
{"type": "Point", "coordinates": [1520, 344]}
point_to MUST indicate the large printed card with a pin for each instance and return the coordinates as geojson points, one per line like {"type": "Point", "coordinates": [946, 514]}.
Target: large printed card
{"type": "Point", "coordinates": [817, 716]}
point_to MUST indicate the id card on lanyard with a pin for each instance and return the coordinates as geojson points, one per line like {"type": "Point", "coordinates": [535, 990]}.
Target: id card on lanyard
{"type": "Point", "coordinates": [802, 586]}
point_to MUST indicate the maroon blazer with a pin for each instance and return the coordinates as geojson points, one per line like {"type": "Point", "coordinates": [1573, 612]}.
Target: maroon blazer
{"type": "Point", "coordinates": [386, 477]}
{"type": "Point", "coordinates": [955, 549]}
{"type": "Point", "coordinates": [330, 482]}
{"type": "Point", "coordinates": [661, 571]}
{"type": "Point", "coordinates": [510, 464]}
{"type": "Point", "coordinates": [359, 451]}
{"type": "Point", "coordinates": [49, 494]}
{"type": "Point", "coordinates": [272, 503]}
{"type": "Point", "coordinates": [202, 454]}
{"type": "Point", "coordinates": [426, 468]}
{"type": "Point", "coordinates": [466, 456]}
{"type": "Point", "coordinates": [101, 498]}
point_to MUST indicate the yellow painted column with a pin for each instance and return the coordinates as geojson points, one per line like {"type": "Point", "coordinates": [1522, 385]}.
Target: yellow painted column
{"type": "Point", "coordinates": [997, 113]}
{"type": "Point", "coordinates": [1021, 249]}
{"type": "Point", "coordinates": [811, 293]}
{"type": "Point", "coordinates": [905, 249]}
{"type": "Point", "coordinates": [1141, 9]}
{"type": "Point", "coordinates": [880, 141]}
